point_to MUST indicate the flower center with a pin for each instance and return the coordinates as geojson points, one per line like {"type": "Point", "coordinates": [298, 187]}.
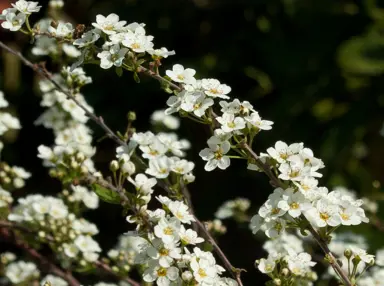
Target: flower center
{"type": "Point", "coordinates": [135, 46]}
{"type": "Point", "coordinates": [324, 216]}
{"type": "Point", "coordinates": [275, 211]}
{"type": "Point", "coordinates": [294, 206]}
{"type": "Point", "coordinates": [202, 273]}
{"type": "Point", "coordinates": [164, 252]}
{"type": "Point", "coordinates": [180, 77]}
{"type": "Point", "coordinates": [168, 231]}
{"type": "Point", "coordinates": [231, 124]}
{"type": "Point", "coordinates": [344, 216]}
{"type": "Point", "coordinates": [162, 272]}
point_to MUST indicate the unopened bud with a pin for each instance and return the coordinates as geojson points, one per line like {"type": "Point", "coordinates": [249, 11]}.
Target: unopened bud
{"type": "Point", "coordinates": [131, 116]}
{"type": "Point", "coordinates": [128, 168]}
{"type": "Point", "coordinates": [187, 276]}
{"type": "Point", "coordinates": [348, 253]}
{"type": "Point", "coordinates": [80, 157]}
{"type": "Point", "coordinates": [114, 166]}
{"type": "Point", "coordinates": [285, 271]}
{"type": "Point", "coordinates": [277, 281]}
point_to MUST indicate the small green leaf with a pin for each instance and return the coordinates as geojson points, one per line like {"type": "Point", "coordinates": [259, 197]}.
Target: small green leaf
{"type": "Point", "coordinates": [136, 77]}
{"type": "Point", "coordinates": [106, 195]}
{"type": "Point", "coordinates": [119, 71]}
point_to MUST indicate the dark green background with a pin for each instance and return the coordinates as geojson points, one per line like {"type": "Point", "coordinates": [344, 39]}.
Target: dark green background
{"type": "Point", "coordinates": [313, 67]}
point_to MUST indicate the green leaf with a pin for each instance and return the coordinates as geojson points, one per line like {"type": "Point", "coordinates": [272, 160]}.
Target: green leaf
{"type": "Point", "coordinates": [119, 71]}
{"type": "Point", "coordinates": [106, 195]}
{"type": "Point", "coordinates": [136, 77]}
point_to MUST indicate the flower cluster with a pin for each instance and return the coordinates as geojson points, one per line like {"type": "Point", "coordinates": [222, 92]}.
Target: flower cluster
{"type": "Point", "coordinates": [166, 252]}
{"type": "Point", "coordinates": [7, 121]}
{"type": "Point", "coordinates": [21, 271]}
{"type": "Point", "coordinates": [14, 18]}
{"type": "Point", "coordinates": [287, 261]}
{"type": "Point", "coordinates": [50, 217]}
{"type": "Point", "coordinates": [235, 208]}
{"type": "Point", "coordinates": [302, 196]}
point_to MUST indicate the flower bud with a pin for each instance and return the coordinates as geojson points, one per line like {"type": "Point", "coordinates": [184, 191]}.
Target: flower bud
{"type": "Point", "coordinates": [187, 276]}
{"type": "Point", "coordinates": [128, 168]}
{"type": "Point", "coordinates": [285, 271]}
{"type": "Point", "coordinates": [80, 157]}
{"type": "Point", "coordinates": [277, 281]}
{"type": "Point", "coordinates": [114, 166]}
{"type": "Point", "coordinates": [348, 253]}
{"type": "Point", "coordinates": [131, 116]}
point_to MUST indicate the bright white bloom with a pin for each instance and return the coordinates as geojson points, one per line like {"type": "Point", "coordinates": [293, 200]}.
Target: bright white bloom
{"type": "Point", "coordinates": [255, 120]}
{"type": "Point", "coordinates": [89, 198]}
{"type": "Point", "coordinates": [13, 22]}
{"type": "Point", "coordinates": [215, 155]}
{"type": "Point", "coordinates": [164, 253]}
{"type": "Point", "coordinates": [21, 271]}
{"type": "Point", "coordinates": [113, 57]}
{"type": "Point", "coordinates": [230, 123]}
{"type": "Point", "coordinates": [137, 41]}
{"type": "Point", "coordinates": [323, 213]}
{"type": "Point", "coordinates": [179, 74]}
{"type": "Point", "coordinates": [63, 30]}
{"type": "Point", "coordinates": [282, 151]}
{"type": "Point", "coordinates": [87, 244]}
{"type": "Point", "coordinates": [182, 167]}
{"type": "Point", "coordinates": [87, 39]}
{"type": "Point", "coordinates": [168, 230]}
{"type": "Point", "coordinates": [3, 101]}
{"type": "Point", "coordinates": [161, 53]}
{"type": "Point", "coordinates": [169, 121]}
{"type": "Point", "coordinates": [189, 236]}
{"type": "Point", "coordinates": [236, 107]}
{"type": "Point", "coordinates": [110, 24]}
{"type": "Point", "coordinates": [27, 7]}
{"type": "Point", "coordinates": [274, 228]}
{"type": "Point", "coordinates": [143, 184]}
{"type": "Point", "coordinates": [300, 264]}
{"type": "Point", "coordinates": [180, 211]}
{"type": "Point", "coordinates": [163, 276]}
{"type": "Point", "coordinates": [160, 167]}
{"type": "Point", "coordinates": [362, 254]}
{"type": "Point", "coordinates": [54, 280]}
{"type": "Point", "coordinates": [294, 203]}
{"type": "Point", "coordinates": [154, 150]}
{"type": "Point", "coordinates": [213, 88]}
{"type": "Point", "coordinates": [197, 104]}
{"type": "Point", "coordinates": [267, 265]}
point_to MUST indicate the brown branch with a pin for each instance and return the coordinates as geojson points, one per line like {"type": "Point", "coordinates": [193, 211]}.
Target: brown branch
{"type": "Point", "coordinates": [42, 260]}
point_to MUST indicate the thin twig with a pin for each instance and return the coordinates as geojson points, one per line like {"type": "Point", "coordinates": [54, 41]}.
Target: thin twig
{"type": "Point", "coordinates": [42, 260]}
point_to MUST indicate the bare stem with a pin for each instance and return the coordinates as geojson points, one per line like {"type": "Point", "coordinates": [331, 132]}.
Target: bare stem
{"type": "Point", "coordinates": [108, 269]}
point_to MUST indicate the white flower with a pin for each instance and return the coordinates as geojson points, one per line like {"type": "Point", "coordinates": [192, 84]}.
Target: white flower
{"type": "Point", "coordinates": [230, 123]}
{"type": "Point", "coordinates": [213, 88]}
{"type": "Point", "coordinates": [294, 203]}
{"type": "Point", "coordinates": [21, 271]}
{"type": "Point", "coordinates": [169, 121]}
{"type": "Point", "coordinates": [5, 198]}
{"type": "Point", "coordinates": [143, 139]}
{"type": "Point", "coordinates": [27, 7]}
{"type": "Point", "coordinates": [182, 167]}
{"type": "Point", "coordinates": [160, 167]}
{"type": "Point", "coordinates": [282, 151]}
{"type": "Point", "coordinates": [87, 39]}
{"type": "Point", "coordinates": [236, 107]}
{"type": "Point", "coordinates": [196, 103]}
{"type": "Point", "coordinates": [362, 254]}
{"type": "Point", "coordinates": [13, 22]}
{"type": "Point", "coordinates": [137, 41]}
{"type": "Point", "coordinates": [180, 211]}
{"type": "Point", "coordinates": [215, 155]}
{"type": "Point", "coordinates": [3, 101]}
{"type": "Point", "coordinates": [128, 168]}
{"type": "Point", "coordinates": [189, 236]}
{"type": "Point", "coordinates": [204, 268]}
{"type": "Point", "coordinates": [256, 223]}
{"type": "Point", "coordinates": [154, 150]}
{"type": "Point", "coordinates": [161, 53]}
{"type": "Point", "coordinates": [86, 243]}
{"type": "Point", "coordinates": [163, 276]}
{"type": "Point", "coordinates": [168, 230]}
{"type": "Point", "coordinates": [323, 213]}
{"type": "Point", "coordinates": [266, 265]}
{"type": "Point", "coordinates": [71, 51]}
{"type": "Point", "coordinates": [110, 24]}
{"type": "Point", "coordinates": [63, 30]}
{"type": "Point", "coordinates": [164, 253]}
{"type": "Point", "coordinates": [179, 74]}
{"type": "Point", "coordinates": [255, 120]}
{"type": "Point", "coordinates": [113, 57]}
{"type": "Point", "coordinates": [275, 227]}
{"type": "Point", "coordinates": [90, 199]}
{"type": "Point", "coordinates": [143, 184]}
{"type": "Point", "coordinates": [300, 263]}
{"type": "Point", "coordinates": [54, 280]}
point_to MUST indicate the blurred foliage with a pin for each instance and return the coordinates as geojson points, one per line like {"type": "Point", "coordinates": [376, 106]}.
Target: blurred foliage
{"type": "Point", "coordinates": [313, 67]}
